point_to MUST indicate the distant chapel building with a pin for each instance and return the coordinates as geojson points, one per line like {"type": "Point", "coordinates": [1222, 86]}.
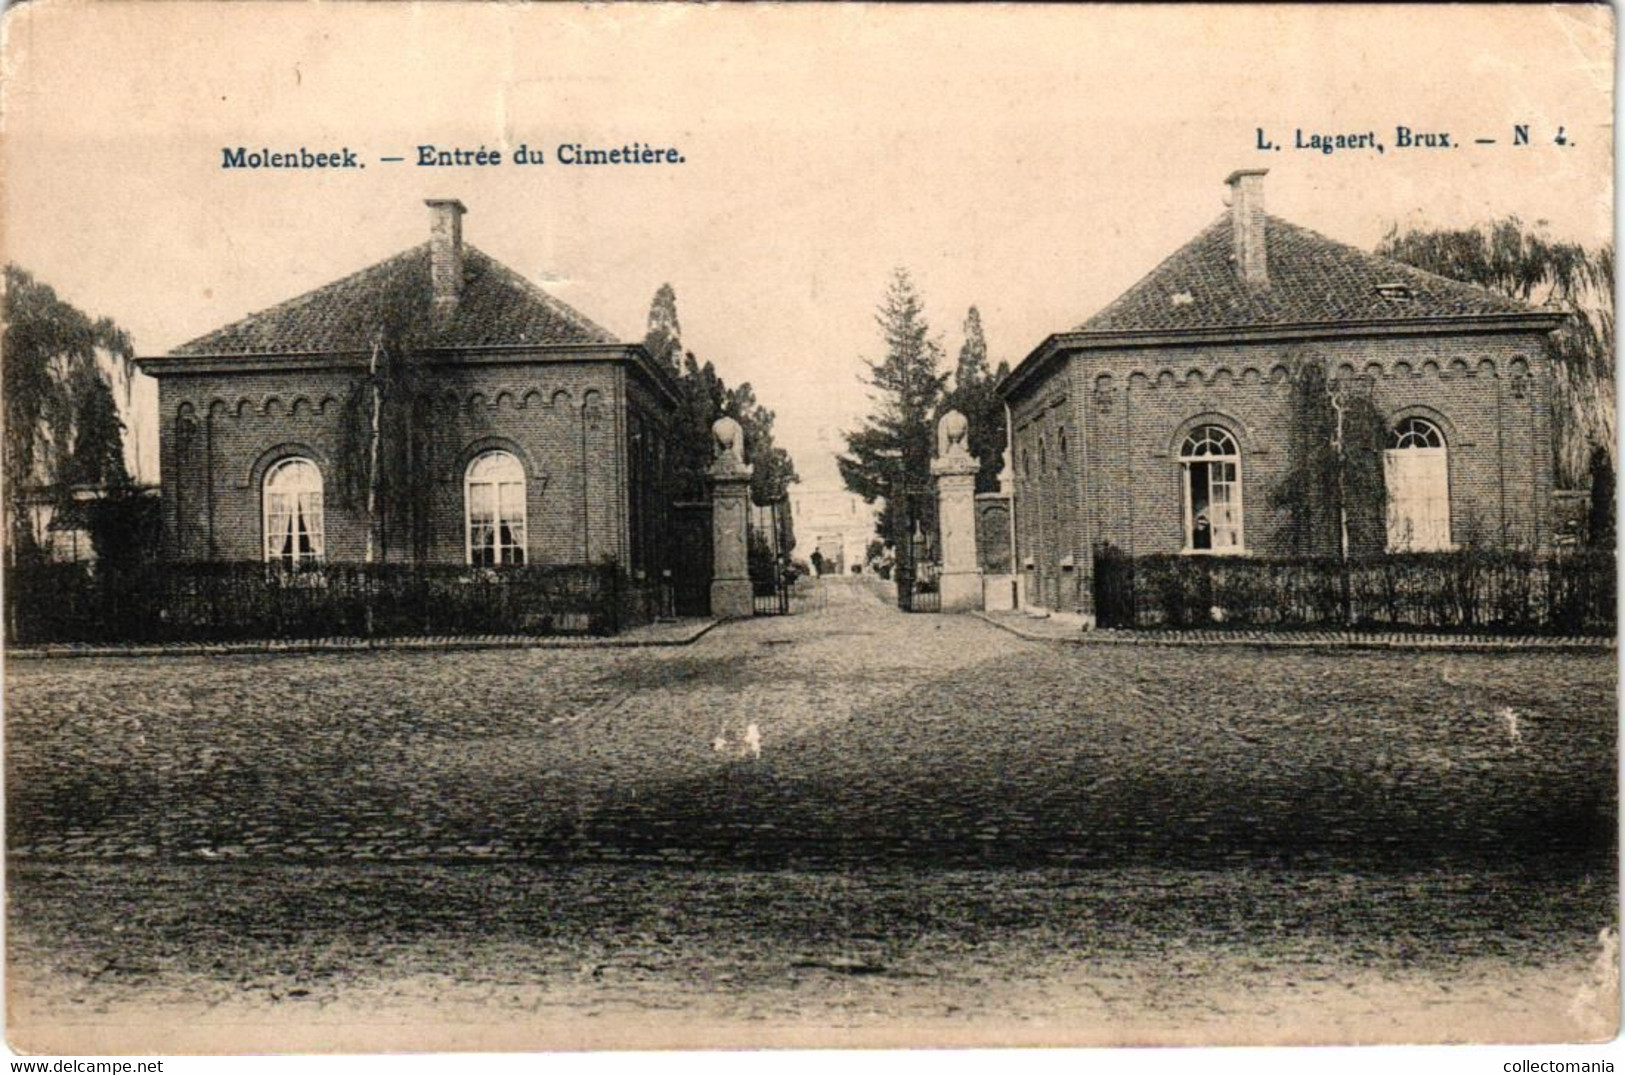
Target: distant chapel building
{"type": "Point", "coordinates": [538, 437]}
{"type": "Point", "coordinates": [1164, 423]}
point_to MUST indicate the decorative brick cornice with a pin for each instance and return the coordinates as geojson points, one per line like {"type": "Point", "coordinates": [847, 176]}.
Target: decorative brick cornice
{"type": "Point", "coordinates": [662, 380]}
{"type": "Point", "coordinates": [1060, 344]}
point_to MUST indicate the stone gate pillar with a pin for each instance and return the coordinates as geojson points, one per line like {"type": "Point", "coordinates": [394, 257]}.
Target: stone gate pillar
{"type": "Point", "coordinates": [955, 470]}
{"type": "Point", "coordinates": [730, 496]}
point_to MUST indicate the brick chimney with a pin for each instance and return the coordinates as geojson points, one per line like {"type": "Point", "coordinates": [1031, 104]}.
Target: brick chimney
{"type": "Point", "coordinates": [446, 253]}
{"type": "Point", "coordinates": [1247, 225]}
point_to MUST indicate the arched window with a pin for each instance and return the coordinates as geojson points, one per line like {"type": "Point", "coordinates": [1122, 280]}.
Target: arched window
{"type": "Point", "coordinates": [494, 493]}
{"type": "Point", "coordinates": [1416, 467]}
{"type": "Point", "coordinates": [294, 528]}
{"type": "Point", "coordinates": [1212, 480]}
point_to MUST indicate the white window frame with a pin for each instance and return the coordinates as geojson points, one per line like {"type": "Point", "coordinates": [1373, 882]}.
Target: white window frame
{"type": "Point", "coordinates": [1418, 446]}
{"type": "Point", "coordinates": [515, 552]}
{"type": "Point", "coordinates": [1189, 459]}
{"type": "Point", "coordinates": [307, 505]}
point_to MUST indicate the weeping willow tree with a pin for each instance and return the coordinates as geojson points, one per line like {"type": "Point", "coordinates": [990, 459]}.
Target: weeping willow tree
{"type": "Point", "coordinates": [63, 425]}
{"type": "Point", "coordinates": [1332, 500]}
{"type": "Point", "coordinates": [1524, 263]}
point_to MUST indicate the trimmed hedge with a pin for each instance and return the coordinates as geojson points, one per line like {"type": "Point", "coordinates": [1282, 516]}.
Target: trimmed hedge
{"type": "Point", "coordinates": [1466, 590]}
{"type": "Point", "coordinates": [178, 602]}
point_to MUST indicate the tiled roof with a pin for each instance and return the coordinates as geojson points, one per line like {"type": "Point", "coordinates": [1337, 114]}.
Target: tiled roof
{"type": "Point", "coordinates": [498, 307]}
{"type": "Point", "coordinates": [1312, 279]}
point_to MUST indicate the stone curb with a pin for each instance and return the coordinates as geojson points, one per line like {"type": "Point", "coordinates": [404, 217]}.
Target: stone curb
{"type": "Point", "coordinates": [1329, 640]}
{"type": "Point", "coordinates": [362, 645]}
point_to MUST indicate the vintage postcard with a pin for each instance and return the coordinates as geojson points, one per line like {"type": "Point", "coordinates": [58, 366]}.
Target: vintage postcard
{"type": "Point", "coordinates": [589, 527]}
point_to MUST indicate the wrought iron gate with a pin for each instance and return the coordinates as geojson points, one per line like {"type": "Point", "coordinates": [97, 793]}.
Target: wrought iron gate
{"type": "Point", "coordinates": [919, 587]}
{"type": "Point", "coordinates": [769, 558]}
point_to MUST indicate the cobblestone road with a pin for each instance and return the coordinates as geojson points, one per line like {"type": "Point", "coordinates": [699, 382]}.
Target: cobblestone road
{"type": "Point", "coordinates": [943, 821]}
{"type": "Point", "coordinates": [879, 735]}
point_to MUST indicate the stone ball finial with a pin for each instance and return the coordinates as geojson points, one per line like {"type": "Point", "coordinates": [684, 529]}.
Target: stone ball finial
{"type": "Point", "coordinates": [952, 429]}
{"type": "Point", "coordinates": [730, 441]}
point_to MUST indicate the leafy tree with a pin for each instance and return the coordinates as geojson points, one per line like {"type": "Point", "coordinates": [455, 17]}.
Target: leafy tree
{"type": "Point", "coordinates": [975, 397]}
{"type": "Point", "coordinates": [889, 457]}
{"type": "Point", "coordinates": [664, 339]}
{"type": "Point", "coordinates": [61, 420]}
{"type": "Point", "coordinates": [1524, 263]}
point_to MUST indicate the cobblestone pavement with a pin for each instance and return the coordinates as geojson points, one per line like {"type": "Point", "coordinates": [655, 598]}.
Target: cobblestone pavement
{"type": "Point", "coordinates": [849, 817]}
{"type": "Point", "coordinates": [878, 735]}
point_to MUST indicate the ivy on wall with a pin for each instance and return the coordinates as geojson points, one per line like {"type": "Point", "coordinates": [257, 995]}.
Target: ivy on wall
{"type": "Point", "coordinates": [394, 433]}
{"type": "Point", "coordinates": [1332, 499]}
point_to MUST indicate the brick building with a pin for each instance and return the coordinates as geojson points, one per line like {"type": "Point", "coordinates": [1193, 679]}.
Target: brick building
{"type": "Point", "coordinates": [537, 438]}
{"type": "Point", "coordinates": [1164, 423]}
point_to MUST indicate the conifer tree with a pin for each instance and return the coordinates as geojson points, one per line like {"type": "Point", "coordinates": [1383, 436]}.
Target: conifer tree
{"type": "Point", "coordinates": [664, 340]}
{"type": "Point", "coordinates": [975, 396]}
{"type": "Point", "coordinates": [889, 457]}
{"type": "Point", "coordinates": [702, 397]}
{"type": "Point", "coordinates": [705, 397]}
{"type": "Point", "coordinates": [97, 455]}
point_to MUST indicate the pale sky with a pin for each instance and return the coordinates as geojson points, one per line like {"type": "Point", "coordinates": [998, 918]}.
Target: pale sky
{"type": "Point", "coordinates": [1032, 161]}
